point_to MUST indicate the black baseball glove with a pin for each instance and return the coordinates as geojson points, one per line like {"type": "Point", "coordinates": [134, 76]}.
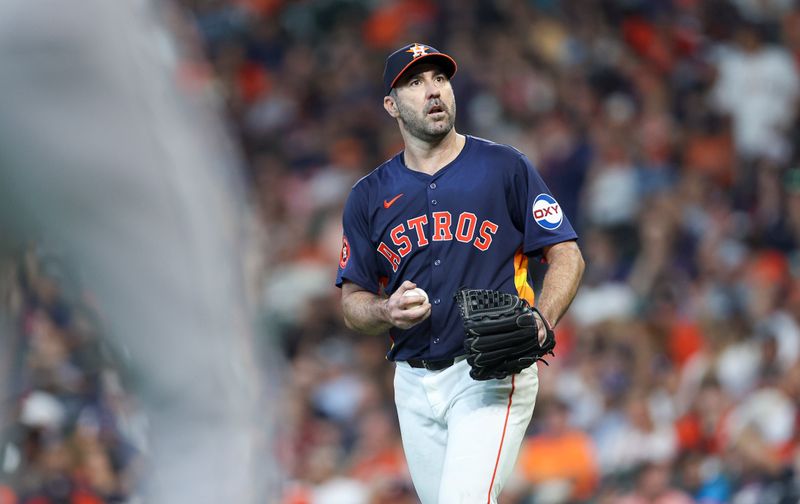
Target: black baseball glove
{"type": "Point", "coordinates": [501, 333]}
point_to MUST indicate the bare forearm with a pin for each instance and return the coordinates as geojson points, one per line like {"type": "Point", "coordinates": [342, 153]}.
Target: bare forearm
{"type": "Point", "coordinates": [561, 280]}
{"type": "Point", "coordinates": [370, 313]}
{"type": "Point", "coordinates": [365, 312]}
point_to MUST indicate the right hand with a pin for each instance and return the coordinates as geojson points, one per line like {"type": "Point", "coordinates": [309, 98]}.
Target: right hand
{"type": "Point", "coordinates": [404, 312]}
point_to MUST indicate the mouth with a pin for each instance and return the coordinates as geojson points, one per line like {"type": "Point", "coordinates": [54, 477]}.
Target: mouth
{"type": "Point", "coordinates": [436, 109]}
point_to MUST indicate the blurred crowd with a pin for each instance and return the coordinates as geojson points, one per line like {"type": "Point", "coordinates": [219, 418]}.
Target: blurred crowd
{"type": "Point", "coordinates": [71, 433]}
{"type": "Point", "coordinates": [666, 129]}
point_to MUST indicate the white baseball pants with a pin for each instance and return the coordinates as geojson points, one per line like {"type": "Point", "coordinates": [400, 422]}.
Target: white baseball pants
{"type": "Point", "coordinates": [461, 437]}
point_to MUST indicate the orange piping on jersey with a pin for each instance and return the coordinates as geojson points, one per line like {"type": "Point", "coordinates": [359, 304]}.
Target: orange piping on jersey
{"type": "Point", "coordinates": [502, 438]}
{"type": "Point", "coordinates": [524, 289]}
{"type": "Point", "coordinates": [382, 283]}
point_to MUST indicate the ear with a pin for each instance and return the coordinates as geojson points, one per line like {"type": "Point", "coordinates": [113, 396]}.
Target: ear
{"type": "Point", "coordinates": [390, 106]}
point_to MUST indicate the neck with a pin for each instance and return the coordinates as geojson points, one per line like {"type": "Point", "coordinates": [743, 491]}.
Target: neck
{"type": "Point", "coordinates": [430, 157]}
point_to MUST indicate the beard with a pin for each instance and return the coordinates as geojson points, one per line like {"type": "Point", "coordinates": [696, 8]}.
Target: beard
{"type": "Point", "coordinates": [420, 126]}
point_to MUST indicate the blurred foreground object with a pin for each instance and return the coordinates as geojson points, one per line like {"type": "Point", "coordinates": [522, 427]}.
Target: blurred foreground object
{"type": "Point", "coordinates": [103, 156]}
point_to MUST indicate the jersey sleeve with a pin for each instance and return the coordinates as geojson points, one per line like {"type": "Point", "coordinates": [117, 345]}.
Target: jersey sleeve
{"type": "Point", "coordinates": [357, 262]}
{"type": "Point", "coordinates": [537, 210]}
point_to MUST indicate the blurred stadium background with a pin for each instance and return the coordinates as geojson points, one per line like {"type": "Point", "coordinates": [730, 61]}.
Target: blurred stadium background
{"type": "Point", "coordinates": [667, 129]}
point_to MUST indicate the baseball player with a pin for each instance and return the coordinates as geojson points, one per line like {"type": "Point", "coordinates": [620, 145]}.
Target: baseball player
{"type": "Point", "coordinates": [453, 211]}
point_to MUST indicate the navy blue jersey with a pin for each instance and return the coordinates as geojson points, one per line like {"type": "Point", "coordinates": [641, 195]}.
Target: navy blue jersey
{"type": "Point", "coordinates": [471, 224]}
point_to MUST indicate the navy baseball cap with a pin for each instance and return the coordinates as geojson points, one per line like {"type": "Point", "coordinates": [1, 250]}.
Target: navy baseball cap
{"type": "Point", "coordinates": [407, 56]}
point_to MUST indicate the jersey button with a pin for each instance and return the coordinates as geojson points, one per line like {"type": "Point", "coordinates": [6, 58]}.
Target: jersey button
{"type": "Point", "coordinates": [437, 262]}
{"type": "Point", "coordinates": [436, 340]}
{"type": "Point", "coordinates": [434, 202]}
{"type": "Point", "coordinates": [437, 301]}
{"type": "Point", "coordinates": [433, 185]}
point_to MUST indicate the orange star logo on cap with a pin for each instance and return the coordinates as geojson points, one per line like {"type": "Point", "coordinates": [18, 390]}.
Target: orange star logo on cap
{"type": "Point", "coordinates": [418, 50]}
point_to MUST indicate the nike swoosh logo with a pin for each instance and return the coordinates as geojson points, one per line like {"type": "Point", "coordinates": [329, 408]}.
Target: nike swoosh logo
{"type": "Point", "coordinates": [387, 204]}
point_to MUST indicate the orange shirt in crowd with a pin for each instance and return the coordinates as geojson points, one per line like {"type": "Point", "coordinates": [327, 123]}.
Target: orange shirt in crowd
{"type": "Point", "coordinates": [685, 340]}
{"type": "Point", "coordinates": [7, 496]}
{"type": "Point", "coordinates": [569, 456]}
{"type": "Point", "coordinates": [390, 462]}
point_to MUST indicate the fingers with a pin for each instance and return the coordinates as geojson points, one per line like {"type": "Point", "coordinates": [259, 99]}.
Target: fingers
{"type": "Point", "coordinates": [541, 328]}
{"type": "Point", "coordinates": [412, 316]}
{"type": "Point", "coordinates": [541, 333]}
{"type": "Point", "coordinates": [405, 286]}
{"type": "Point", "coordinates": [407, 311]}
{"type": "Point", "coordinates": [399, 299]}
{"type": "Point", "coordinates": [418, 311]}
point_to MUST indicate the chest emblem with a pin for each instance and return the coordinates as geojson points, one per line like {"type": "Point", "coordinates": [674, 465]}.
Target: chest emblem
{"type": "Point", "coordinates": [465, 227]}
{"type": "Point", "coordinates": [387, 204]}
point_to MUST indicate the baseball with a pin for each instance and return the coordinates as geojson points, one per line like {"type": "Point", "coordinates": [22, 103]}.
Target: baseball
{"type": "Point", "coordinates": [417, 292]}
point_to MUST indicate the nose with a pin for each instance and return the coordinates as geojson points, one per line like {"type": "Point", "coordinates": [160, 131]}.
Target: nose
{"type": "Point", "coordinates": [433, 89]}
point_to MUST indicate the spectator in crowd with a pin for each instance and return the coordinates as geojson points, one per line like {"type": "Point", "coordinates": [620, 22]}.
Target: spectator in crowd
{"type": "Point", "coordinates": [653, 487]}
{"type": "Point", "coordinates": [559, 455]}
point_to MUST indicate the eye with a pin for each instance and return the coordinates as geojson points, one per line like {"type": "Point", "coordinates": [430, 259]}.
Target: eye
{"type": "Point", "coordinates": [414, 82]}
{"type": "Point", "coordinates": [440, 78]}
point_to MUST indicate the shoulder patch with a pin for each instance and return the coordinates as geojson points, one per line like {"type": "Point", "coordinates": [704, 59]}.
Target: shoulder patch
{"type": "Point", "coordinates": [547, 212]}
{"type": "Point", "coordinates": [344, 256]}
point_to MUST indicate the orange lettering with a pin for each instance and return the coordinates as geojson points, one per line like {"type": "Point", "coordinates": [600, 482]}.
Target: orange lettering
{"type": "Point", "coordinates": [417, 223]}
{"type": "Point", "coordinates": [441, 226]}
{"type": "Point", "coordinates": [389, 254]}
{"type": "Point", "coordinates": [465, 234]}
{"type": "Point", "coordinates": [401, 240]}
{"type": "Point", "coordinates": [484, 239]}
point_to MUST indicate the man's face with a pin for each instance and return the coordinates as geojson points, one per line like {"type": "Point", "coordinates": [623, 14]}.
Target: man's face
{"type": "Point", "coordinates": [425, 103]}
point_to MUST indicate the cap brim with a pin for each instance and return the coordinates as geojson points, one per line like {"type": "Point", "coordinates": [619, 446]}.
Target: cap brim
{"type": "Point", "coordinates": [444, 60]}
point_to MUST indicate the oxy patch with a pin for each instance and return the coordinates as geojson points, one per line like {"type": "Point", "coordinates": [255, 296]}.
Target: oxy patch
{"type": "Point", "coordinates": [547, 212]}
